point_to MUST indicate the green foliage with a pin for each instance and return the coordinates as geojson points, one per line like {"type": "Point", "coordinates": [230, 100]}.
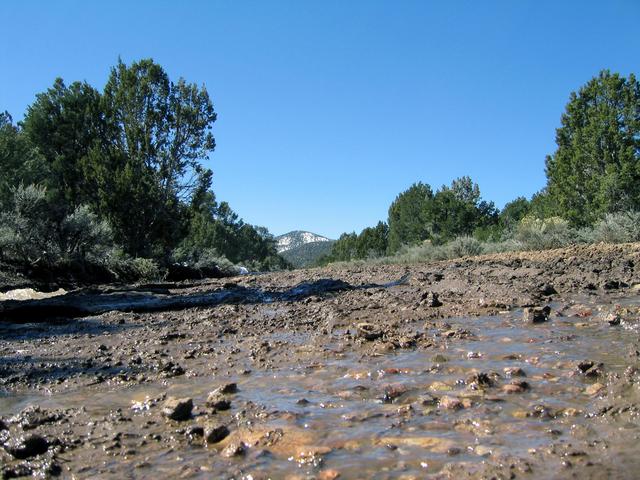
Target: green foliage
{"type": "Point", "coordinates": [541, 234]}
{"type": "Point", "coordinates": [596, 167]}
{"type": "Point", "coordinates": [121, 167]}
{"type": "Point", "coordinates": [215, 230]}
{"type": "Point", "coordinates": [84, 238]}
{"type": "Point", "coordinates": [160, 131]}
{"type": "Point", "coordinates": [410, 216]}
{"type": "Point", "coordinates": [619, 227]}
{"type": "Point", "coordinates": [20, 162]}
{"type": "Point", "coordinates": [127, 269]}
{"type": "Point", "coordinates": [25, 228]}
{"type": "Point", "coordinates": [464, 247]}
{"type": "Point", "coordinates": [514, 211]}
{"type": "Point", "coordinates": [64, 124]}
{"type": "Point", "coordinates": [29, 236]}
{"type": "Point", "coordinates": [308, 254]}
{"type": "Point", "coordinates": [372, 242]}
{"type": "Point", "coordinates": [417, 214]}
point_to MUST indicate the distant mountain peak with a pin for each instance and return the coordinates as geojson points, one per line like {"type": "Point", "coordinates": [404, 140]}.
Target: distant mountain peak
{"type": "Point", "coordinates": [296, 239]}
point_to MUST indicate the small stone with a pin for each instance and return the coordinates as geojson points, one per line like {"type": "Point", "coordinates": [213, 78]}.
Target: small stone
{"type": "Point", "coordinates": [536, 315]}
{"type": "Point", "coordinates": [613, 319]}
{"type": "Point", "coordinates": [195, 431]}
{"type": "Point", "coordinates": [430, 299]}
{"type": "Point", "coordinates": [516, 387]}
{"type": "Point", "coordinates": [480, 380]}
{"type": "Point", "coordinates": [328, 474]}
{"type": "Point", "coordinates": [368, 331]}
{"type": "Point", "coordinates": [514, 372]}
{"type": "Point", "coordinates": [178, 409]}
{"type": "Point", "coordinates": [234, 449]}
{"type": "Point", "coordinates": [450, 403]}
{"type": "Point", "coordinates": [590, 369]}
{"type": "Point", "coordinates": [439, 358]}
{"type": "Point", "coordinates": [216, 401]}
{"type": "Point", "coordinates": [226, 389]}
{"type": "Point", "coordinates": [594, 389]}
{"type": "Point", "coordinates": [217, 434]}
{"type": "Point", "coordinates": [548, 290]}
{"type": "Point", "coordinates": [28, 447]}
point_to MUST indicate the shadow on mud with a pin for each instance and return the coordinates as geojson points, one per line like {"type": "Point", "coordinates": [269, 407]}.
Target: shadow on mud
{"type": "Point", "coordinates": [75, 305]}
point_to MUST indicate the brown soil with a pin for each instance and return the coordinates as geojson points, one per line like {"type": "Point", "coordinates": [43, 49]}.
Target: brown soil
{"type": "Point", "coordinates": [444, 370]}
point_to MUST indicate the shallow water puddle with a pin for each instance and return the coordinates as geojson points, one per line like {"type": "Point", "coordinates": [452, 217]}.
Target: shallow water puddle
{"type": "Point", "coordinates": [406, 413]}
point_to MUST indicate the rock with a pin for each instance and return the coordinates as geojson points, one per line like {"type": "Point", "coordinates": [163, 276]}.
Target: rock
{"type": "Point", "coordinates": [590, 369]}
{"type": "Point", "coordinates": [536, 314]}
{"type": "Point", "coordinates": [480, 380]}
{"type": "Point", "coordinates": [217, 433]}
{"type": "Point", "coordinates": [514, 372]}
{"type": "Point", "coordinates": [368, 331]}
{"type": "Point", "coordinates": [3, 426]}
{"type": "Point", "coordinates": [430, 299]}
{"type": "Point", "coordinates": [234, 449]}
{"type": "Point", "coordinates": [28, 447]}
{"type": "Point", "coordinates": [178, 409]}
{"type": "Point", "coordinates": [33, 416]}
{"type": "Point", "coordinates": [516, 387]}
{"type": "Point", "coordinates": [613, 285]}
{"type": "Point", "coordinates": [226, 389]}
{"type": "Point", "coordinates": [450, 403]}
{"type": "Point", "coordinates": [547, 290]}
{"type": "Point", "coordinates": [216, 401]}
{"type": "Point", "coordinates": [427, 400]}
{"type": "Point", "coordinates": [594, 389]}
{"type": "Point", "coordinates": [439, 358]}
{"type": "Point", "coordinates": [195, 431]}
{"type": "Point", "coordinates": [329, 474]}
{"type": "Point", "coordinates": [434, 444]}
{"type": "Point", "coordinates": [613, 319]}
{"type": "Point", "coordinates": [393, 392]}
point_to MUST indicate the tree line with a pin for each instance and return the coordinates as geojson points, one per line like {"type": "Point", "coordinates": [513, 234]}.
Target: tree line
{"type": "Point", "coordinates": [126, 164]}
{"type": "Point", "coordinates": [594, 172]}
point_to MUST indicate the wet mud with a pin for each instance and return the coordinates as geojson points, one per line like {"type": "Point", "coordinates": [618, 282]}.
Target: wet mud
{"type": "Point", "coordinates": [506, 366]}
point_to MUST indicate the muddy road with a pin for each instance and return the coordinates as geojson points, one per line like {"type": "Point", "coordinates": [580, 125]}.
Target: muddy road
{"type": "Point", "coordinates": [505, 366]}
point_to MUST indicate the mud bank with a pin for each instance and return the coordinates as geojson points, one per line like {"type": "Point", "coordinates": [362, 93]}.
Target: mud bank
{"type": "Point", "coordinates": [505, 366]}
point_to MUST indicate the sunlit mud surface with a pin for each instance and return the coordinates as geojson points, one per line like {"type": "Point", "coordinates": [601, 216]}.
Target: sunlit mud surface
{"type": "Point", "coordinates": [372, 389]}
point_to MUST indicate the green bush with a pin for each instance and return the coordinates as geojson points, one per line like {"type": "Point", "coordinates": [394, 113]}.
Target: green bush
{"type": "Point", "coordinates": [127, 269]}
{"type": "Point", "coordinates": [85, 238]}
{"type": "Point", "coordinates": [25, 229]}
{"type": "Point", "coordinates": [464, 247]}
{"type": "Point", "coordinates": [619, 227]}
{"type": "Point", "coordinates": [542, 234]}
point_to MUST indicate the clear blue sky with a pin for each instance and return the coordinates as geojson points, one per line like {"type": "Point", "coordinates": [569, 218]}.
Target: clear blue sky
{"type": "Point", "coordinates": [328, 109]}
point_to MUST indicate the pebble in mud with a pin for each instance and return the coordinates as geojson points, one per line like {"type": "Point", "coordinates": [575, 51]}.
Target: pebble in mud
{"type": "Point", "coordinates": [226, 389]}
{"type": "Point", "coordinates": [367, 331]}
{"type": "Point", "coordinates": [234, 449]}
{"type": "Point", "coordinates": [536, 315]}
{"type": "Point", "coordinates": [216, 433]}
{"type": "Point", "coordinates": [178, 409]}
{"type": "Point", "coordinates": [516, 387]}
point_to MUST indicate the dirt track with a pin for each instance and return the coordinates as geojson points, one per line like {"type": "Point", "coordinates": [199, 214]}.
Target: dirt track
{"type": "Point", "coordinates": [340, 371]}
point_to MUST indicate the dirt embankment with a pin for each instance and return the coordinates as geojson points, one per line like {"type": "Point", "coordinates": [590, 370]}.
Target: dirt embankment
{"type": "Point", "coordinates": [511, 365]}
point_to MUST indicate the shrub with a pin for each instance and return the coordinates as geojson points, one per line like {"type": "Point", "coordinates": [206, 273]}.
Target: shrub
{"type": "Point", "coordinates": [615, 228]}
{"type": "Point", "coordinates": [127, 269]}
{"type": "Point", "coordinates": [541, 234]}
{"type": "Point", "coordinates": [25, 231]}
{"type": "Point", "coordinates": [85, 238]}
{"type": "Point", "coordinates": [463, 247]}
